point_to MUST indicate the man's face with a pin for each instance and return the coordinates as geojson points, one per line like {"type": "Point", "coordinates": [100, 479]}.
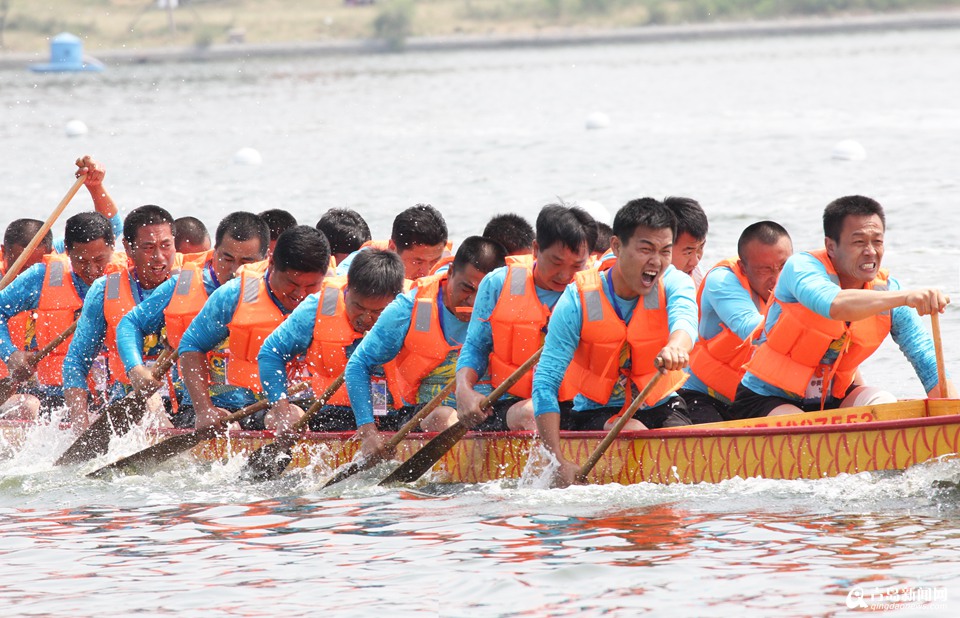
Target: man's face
{"type": "Point", "coordinates": [762, 263]}
{"type": "Point", "coordinates": [292, 286]}
{"type": "Point", "coordinates": [557, 265]}
{"type": "Point", "coordinates": [687, 252]}
{"type": "Point", "coordinates": [35, 258]}
{"type": "Point", "coordinates": [152, 253]}
{"type": "Point", "coordinates": [643, 259]}
{"type": "Point", "coordinates": [231, 254]}
{"type": "Point", "coordinates": [419, 259]}
{"type": "Point", "coordinates": [460, 290]}
{"type": "Point", "coordinates": [858, 255]}
{"type": "Point", "coordinates": [89, 259]}
{"type": "Point", "coordinates": [363, 311]}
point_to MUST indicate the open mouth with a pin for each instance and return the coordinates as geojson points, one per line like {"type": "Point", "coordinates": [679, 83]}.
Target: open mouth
{"type": "Point", "coordinates": [648, 277]}
{"type": "Point", "coordinates": [868, 266]}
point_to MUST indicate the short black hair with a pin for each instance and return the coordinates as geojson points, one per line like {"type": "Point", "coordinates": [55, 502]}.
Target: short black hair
{"type": "Point", "coordinates": [571, 226]}
{"type": "Point", "coordinates": [302, 248]}
{"type": "Point", "coordinates": [345, 229]}
{"type": "Point", "coordinates": [87, 227]}
{"type": "Point", "coordinates": [149, 214]}
{"type": "Point", "coordinates": [22, 231]}
{"type": "Point", "coordinates": [690, 216]}
{"type": "Point", "coordinates": [481, 253]}
{"type": "Point", "coordinates": [278, 220]}
{"type": "Point", "coordinates": [190, 230]}
{"type": "Point", "coordinates": [766, 232]}
{"type": "Point", "coordinates": [243, 226]}
{"type": "Point", "coordinates": [643, 212]}
{"type": "Point", "coordinates": [419, 225]}
{"type": "Point", "coordinates": [604, 232]}
{"type": "Point", "coordinates": [512, 231]}
{"type": "Point", "coordinates": [840, 208]}
{"type": "Point", "coordinates": [376, 273]}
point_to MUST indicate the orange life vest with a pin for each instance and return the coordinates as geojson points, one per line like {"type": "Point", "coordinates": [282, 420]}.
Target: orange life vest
{"type": "Point", "coordinates": [57, 308]}
{"type": "Point", "coordinates": [424, 346]}
{"type": "Point", "coordinates": [444, 261]}
{"type": "Point", "coordinates": [596, 368]}
{"type": "Point", "coordinates": [189, 296]}
{"type": "Point", "coordinates": [798, 341]}
{"type": "Point", "coordinates": [718, 362]}
{"type": "Point", "coordinates": [255, 317]}
{"type": "Point", "coordinates": [332, 333]}
{"type": "Point", "coordinates": [518, 323]}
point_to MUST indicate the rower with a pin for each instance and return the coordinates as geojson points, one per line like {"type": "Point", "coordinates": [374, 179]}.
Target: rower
{"type": "Point", "coordinates": [279, 221]}
{"type": "Point", "coordinates": [419, 237]}
{"type": "Point", "coordinates": [512, 231]}
{"type": "Point", "coordinates": [732, 299]}
{"type": "Point", "coordinates": [423, 330]}
{"type": "Point", "coordinates": [241, 238]}
{"type": "Point", "coordinates": [247, 309]}
{"type": "Point", "coordinates": [604, 232]}
{"type": "Point", "coordinates": [52, 293]}
{"type": "Point", "coordinates": [151, 256]}
{"type": "Point", "coordinates": [640, 313]}
{"type": "Point", "coordinates": [832, 308]}
{"type": "Point", "coordinates": [327, 328]}
{"type": "Point", "coordinates": [16, 238]}
{"type": "Point", "coordinates": [510, 317]}
{"type": "Point", "coordinates": [692, 227]}
{"type": "Point", "coordinates": [192, 235]}
{"type": "Point", "coordinates": [346, 231]}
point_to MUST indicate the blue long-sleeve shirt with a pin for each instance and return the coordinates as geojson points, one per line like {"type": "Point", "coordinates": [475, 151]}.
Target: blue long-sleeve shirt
{"type": "Point", "coordinates": [208, 331]}
{"type": "Point", "coordinates": [475, 353]}
{"type": "Point", "coordinates": [382, 344]}
{"type": "Point", "coordinates": [563, 338]}
{"type": "Point", "coordinates": [724, 301]}
{"type": "Point", "coordinates": [804, 280]}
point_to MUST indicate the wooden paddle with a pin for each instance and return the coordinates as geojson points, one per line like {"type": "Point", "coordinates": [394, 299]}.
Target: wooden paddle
{"type": "Point", "coordinates": [174, 445]}
{"type": "Point", "coordinates": [432, 451]}
{"type": "Point", "coordinates": [8, 385]}
{"type": "Point", "coordinates": [938, 350]}
{"type": "Point", "coordinates": [616, 429]}
{"type": "Point", "coordinates": [365, 463]}
{"type": "Point", "coordinates": [117, 418]}
{"type": "Point", "coordinates": [270, 460]}
{"type": "Point", "coordinates": [17, 266]}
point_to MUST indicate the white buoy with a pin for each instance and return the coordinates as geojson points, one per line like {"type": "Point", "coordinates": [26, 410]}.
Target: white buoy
{"type": "Point", "coordinates": [598, 120]}
{"type": "Point", "coordinates": [849, 150]}
{"type": "Point", "coordinates": [247, 156]}
{"type": "Point", "coordinates": [76, 128]}
{"type": "Point", "coordinates": [597, 210]}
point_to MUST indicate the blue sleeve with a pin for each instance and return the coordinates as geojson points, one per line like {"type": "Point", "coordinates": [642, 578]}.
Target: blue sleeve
{"type": "Point", "coordinates": [289, 340]}
{"type": "Point", "coordinates": [804, 279]}
{"type": "Point", "coordinates": [476, 349]}
{"type": "Point", "coordinates": [116, 223]}
{"type": "Point", "coordinates": [87, 340]}
{"type": "Point", "coordinates": [21, 294]}
{"type": "Point", "coordinates": [732, 303]}
{"type": "Point", "coordinates": [563, 337]}
{"type": "Point", "coordinates": [209, 328]}
{"type": "Point", "coordinates": [59, 245]}
{"type": "Point", "coordinates": [147, 317]}
{"type": "Point", "coordinates": [681, 302]}
{"type": "Point", "coordinates": [380, 345]}
{"type": "Point", "coordinates": [907, 330]}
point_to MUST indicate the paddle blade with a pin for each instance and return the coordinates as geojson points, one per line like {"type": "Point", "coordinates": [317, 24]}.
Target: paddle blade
{"type": "Point", "coordinates": [117, 419]}
{"type": "Point", "coordinates": [426, 457]}
{"type": "Point", "coordinates": [364, 463]}
{"type": "Point", "coordinates": [270, 460]}
{"type": "Point", "coordinates": [158, 453]}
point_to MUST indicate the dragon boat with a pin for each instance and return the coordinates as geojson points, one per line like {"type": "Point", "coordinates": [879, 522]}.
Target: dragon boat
{"type": "Point", "coordinates": [802, 446]}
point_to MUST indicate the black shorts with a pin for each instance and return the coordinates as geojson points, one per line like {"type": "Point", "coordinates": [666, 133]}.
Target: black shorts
{"type": "Point", "coordinates": [749, 404]}
{"type": "Point", "coordinates": [333, 419]}
{"type": "Point", "coordinates": [670, 414]}
{"type": "Point", "coordinates": [703, 408]}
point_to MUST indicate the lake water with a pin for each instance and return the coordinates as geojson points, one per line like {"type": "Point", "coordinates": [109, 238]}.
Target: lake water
{"type": "Point", "coordinates": [747, 127]}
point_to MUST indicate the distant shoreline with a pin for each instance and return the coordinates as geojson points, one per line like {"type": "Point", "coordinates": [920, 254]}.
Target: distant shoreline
{"type": "Point", "coordinates": [551, 38]}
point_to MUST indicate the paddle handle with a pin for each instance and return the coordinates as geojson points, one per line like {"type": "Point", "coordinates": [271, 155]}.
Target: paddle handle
{"type": "Point", "coordinates": [421, 414]}
{"type": "Point", "coordinates": [938, 350]}
{"type": "Point", "coordinates": [253, 408]}
{"type": "Point", "coordinates": [319, 403]}
{"type": "Point", "coordinates": [618, 427]}
{"type": "Point", "coordinates": [45, 351]}
{"type": "Point", "coordinates": [512, 379]}
{"type": "Point", "coordinates": [15, 268]}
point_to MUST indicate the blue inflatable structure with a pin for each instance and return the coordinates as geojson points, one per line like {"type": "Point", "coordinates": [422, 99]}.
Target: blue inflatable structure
{"type": "Point", "coordinates": [66, 54]}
